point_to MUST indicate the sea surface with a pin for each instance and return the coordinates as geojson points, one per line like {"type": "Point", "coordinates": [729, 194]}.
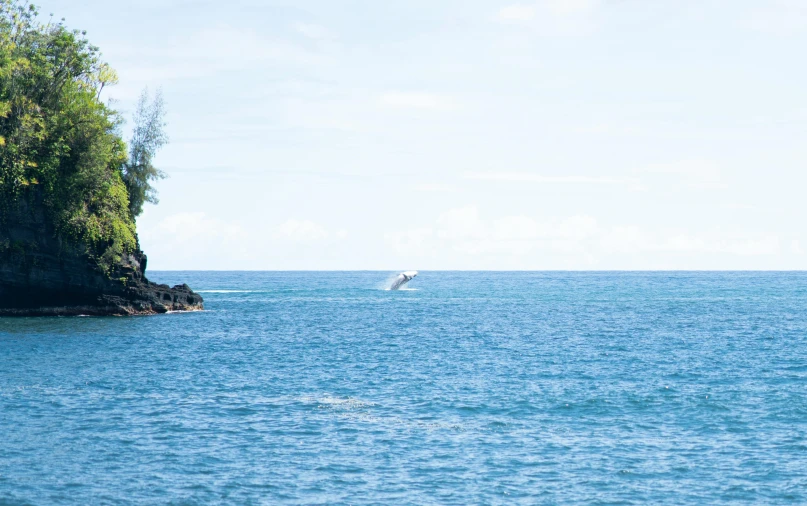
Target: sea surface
{"type": "Point", "coordinates": [468, 388]}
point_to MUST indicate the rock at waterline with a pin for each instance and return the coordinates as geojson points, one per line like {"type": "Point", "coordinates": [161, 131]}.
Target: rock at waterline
{"type": "Point", "coordinates": [40, 275]}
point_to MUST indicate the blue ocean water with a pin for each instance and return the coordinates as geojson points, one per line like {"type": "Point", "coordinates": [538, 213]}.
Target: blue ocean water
{"type": "Point", "coordinates": [469, 388]}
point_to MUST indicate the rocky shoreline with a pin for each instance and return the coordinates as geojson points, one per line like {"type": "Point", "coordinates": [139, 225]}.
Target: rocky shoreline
{"type": "Point", "coordinates": [40, 275]}
{"type": "Point", "coordinates": [162, 299]}
{"type": "Point", "coordinates": [61, 292]}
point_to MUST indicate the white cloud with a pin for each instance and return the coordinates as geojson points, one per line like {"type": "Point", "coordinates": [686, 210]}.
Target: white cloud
{"type": "Point", "coordinates": [436, 188]}
{"type": "Point", "coordinates": [697, 174]}
{"type": "Point", "coordinates": [206, 53]}
{"type": "Point", "coordinates": [463, 230]}
{"type": "Point", "coordinates": [415, 100]}
{"type": "Point", "coordinates": [516, 12]}
{"type": "Point", "coordinates": [552, 17]}
{"type": "Point", "coordinates": [461, 223]}
{"type": "Point", "coordinates": [779, 17]}
{"type": "Point", "coordinates": [634, 240]}
{"type": "Point", "coordinates": [194, 240]}
{"type": "Point", "coordinates": [611, 129]}
{"type": "Point", "coordinates": [408, 241]}
{"type": "Point", "coordinates": [194, 227]}
{"type": "Point", "coordinates": [624, 239]}
{"type": "Point", "coordinates": [745, 247]}
{"type": "Point", "coordinates": [526, 177]}
{"type": "Point", "coordinates": [311, 31]}
{"type": "Point", "coordinates": [570, 7]}
{"type": "Point", "coordinates": [306, 231]}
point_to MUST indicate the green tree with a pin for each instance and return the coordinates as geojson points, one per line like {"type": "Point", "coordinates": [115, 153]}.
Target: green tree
{"type": "Point", "coordinates": [148, 136]}
{"type": "Point", "coordinates": [59, 141]}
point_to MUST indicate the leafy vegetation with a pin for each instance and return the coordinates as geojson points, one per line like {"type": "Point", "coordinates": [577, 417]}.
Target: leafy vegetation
{"type": "Point", "coordinates": [60, 141]}
{"type": "Point", "coordinates": [147, 137]}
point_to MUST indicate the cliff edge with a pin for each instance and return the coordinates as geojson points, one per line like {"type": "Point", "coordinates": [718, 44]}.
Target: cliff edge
{"type": "Point", "coordinates": [42, 275]}
{"type": "Point", "coordinates": [71, 188]}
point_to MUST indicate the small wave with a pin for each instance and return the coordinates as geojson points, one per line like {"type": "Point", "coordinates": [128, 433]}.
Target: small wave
{"type": "Point", "coordinates": [352, 408]}
{"type": "Point", "coordinates": [337, 402]}
{"type": "Point", "coordinates": [226, 291]}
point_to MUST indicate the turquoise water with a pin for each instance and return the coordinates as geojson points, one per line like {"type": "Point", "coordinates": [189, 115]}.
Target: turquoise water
{"type": "Point", "coordinates": [470, 388]}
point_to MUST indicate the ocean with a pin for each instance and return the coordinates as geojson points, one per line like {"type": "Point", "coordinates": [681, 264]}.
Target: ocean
{"type": "Point", "coordinates": [466, 388]}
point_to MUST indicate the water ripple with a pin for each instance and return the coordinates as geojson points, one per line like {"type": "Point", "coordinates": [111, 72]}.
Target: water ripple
{"type": "Point", "coordinates": [491, 388]}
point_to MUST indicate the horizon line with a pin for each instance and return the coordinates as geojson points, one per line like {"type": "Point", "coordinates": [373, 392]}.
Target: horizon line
{"type": "Point", "coordinates": [479, 270]}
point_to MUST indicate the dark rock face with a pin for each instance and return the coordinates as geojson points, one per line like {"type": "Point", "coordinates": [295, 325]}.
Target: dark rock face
{"type": "Point", "coordinates": [40, 275]}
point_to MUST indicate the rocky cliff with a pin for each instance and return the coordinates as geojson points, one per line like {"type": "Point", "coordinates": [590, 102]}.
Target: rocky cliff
{"type": "Point", "coordinates": [42, 274]}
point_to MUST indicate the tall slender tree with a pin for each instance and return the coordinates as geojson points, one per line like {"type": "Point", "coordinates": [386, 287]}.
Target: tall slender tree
{"type": "Point", "coordinates": [148, 136]}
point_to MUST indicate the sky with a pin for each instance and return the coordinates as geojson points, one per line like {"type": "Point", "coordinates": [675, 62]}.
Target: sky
{"type": "Point", "coordinates": [467, 134]}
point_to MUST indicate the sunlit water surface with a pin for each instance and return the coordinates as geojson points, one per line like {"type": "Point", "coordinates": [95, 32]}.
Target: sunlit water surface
{"type": "Point", "coordinates": [502, 388]}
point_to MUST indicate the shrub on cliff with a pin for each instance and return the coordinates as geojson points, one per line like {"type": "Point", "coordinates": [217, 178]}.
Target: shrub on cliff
{"type": "Point", "coordinates": [58, 138]}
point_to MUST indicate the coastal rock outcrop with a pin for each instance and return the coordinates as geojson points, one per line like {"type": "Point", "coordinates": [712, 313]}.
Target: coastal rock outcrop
{"type": "Point", "coordinates": [41, 274]}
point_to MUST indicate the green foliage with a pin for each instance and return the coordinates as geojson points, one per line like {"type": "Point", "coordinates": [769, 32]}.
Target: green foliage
{"type": "Point", "coordinates": [57, 138]}
{"type": "Point", "coordinates": [148, 136]}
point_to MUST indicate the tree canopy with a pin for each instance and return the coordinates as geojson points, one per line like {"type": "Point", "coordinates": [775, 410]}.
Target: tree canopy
{"type": "Point", "coordinates": [148, 136]}
{"type": "Point", "coordinates": [57, 137]}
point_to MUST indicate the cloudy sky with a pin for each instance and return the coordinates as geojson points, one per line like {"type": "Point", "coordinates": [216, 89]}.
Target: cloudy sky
{"type": "Point", "coordinates": [468, 134]}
